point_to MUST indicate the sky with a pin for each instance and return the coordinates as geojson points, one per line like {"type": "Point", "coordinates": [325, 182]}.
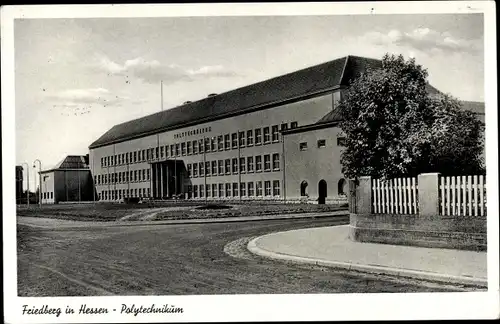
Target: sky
{"type": "Point", "coordinates": [76, 78]}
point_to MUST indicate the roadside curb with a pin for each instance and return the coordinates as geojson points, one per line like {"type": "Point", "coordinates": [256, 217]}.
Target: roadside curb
{"type": "Point", "coordinates": [373, 269]}
{"type": "Point", "coordinates": [78, 224]}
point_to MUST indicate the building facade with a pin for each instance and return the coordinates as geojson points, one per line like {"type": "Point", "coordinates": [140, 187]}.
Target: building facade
{"type": "Point", "coordinates": [239, 145]}
{"type": "Point", "coordinates": [69, 181]}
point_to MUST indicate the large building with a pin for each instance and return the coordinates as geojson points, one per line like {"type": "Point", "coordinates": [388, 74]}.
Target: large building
{"type": "Point", "coordinates": [276, 139]}
{"type": "Point", "coordinates": [68, 181]}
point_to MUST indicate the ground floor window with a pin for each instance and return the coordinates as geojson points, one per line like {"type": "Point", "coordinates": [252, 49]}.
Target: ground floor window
{"type": "Point", "coordinates": [276, 188]}
{"type": "Point", "coordinates": [303, 188]}
{"type": "Point", "coordinates": [267, 188]}
{"type": "Point", "coordinates": [258, 186]}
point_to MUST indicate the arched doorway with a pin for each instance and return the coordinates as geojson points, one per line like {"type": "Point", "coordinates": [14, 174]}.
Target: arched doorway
{"type": "Point", "coordinates": [303, 188]}
{"type": "Point", "coordinates": [342, 187]}
{"type": "Point", "coordinates": [322, 191]}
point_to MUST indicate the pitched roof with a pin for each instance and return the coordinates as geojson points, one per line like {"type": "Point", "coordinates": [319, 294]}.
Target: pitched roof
{"type": "Point", "coordinates": [474, 106]}
{"type": "Point", "coordinates": [71, 162]}
{"type": "Point", "coordinates": [261, 95]}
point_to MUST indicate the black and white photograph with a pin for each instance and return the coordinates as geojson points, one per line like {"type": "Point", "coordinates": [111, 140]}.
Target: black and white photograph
{"type": "Point", "coordinates": [236, 162]}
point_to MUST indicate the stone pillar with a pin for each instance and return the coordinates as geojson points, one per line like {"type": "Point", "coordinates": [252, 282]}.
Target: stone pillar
{"type": "Point", "coordinates": [428, 194]}
{"type": "Point", "coordinates": [364, 195]}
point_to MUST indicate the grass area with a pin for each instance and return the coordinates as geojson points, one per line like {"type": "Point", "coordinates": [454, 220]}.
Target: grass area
{"type": "Point", "coordinates": [103, 212]}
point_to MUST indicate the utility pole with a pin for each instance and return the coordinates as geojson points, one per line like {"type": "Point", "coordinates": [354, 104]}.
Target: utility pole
{"type": "Point", "coordinates": [239, 167]}
{"type": "Point", "coordinates": [40, 180]}
{"type": "Point", "coordinates": [205, 167]}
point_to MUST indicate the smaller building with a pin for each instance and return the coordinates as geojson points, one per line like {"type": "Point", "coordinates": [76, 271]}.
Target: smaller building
{"type": "Point", "coordinates": [69, 181]}
{"type": "Point", "coordinates": [19, 184]}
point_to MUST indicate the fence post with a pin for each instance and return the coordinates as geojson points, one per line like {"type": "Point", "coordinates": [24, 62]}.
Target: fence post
{"type": "Point", "coordinates": [428, 194]}
{"type": "Point", "coordinates": [364, 195]}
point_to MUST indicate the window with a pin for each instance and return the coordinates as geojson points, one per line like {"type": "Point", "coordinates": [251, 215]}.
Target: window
{"type": "Point", "coordinates": [267, 188]}
{"type": "Point", "coordinates": [172, 150]}
{"type": "Point", "coordinates": [166, 151]}
{"type": "Point", "coordinates": [144, 175]}
{"type": "Point", "coordinates": [228, 190]}
{"type": "Point", "coordinates": [220, 142]}
{"type": "Point", "coordinates": [267, 136]}
{"type": "Point", "coordinates": [234, 140]}
{"type": "Point", "coordinates": [276, 161]}
{"type": "Point", "coordinates": [195, 170]}
{"type": "Point", "coordinates": [189, 168]}
{"type": "Point", "coordinates": [250, 163]}
{"type": "Point", "coordinates": [341, 141]}
{"type": "Point", "coordinates": [258, 136]}
{"type": "Point", "coordinates": [148, 154]}
{"type": "Point", "coordinates": [213, 144]}
{"type": "Point", "coordinates": [156, 153]}
{"type": "Point", "coordinates": [190, 191]}
{"type": "Point", "coordinates": [258, 163]}
{"type": "Point", "coordinates": [149, 192]}
{"type": "Point", "coordinates": [200, 146]}
{"type": "Point", "coordinates": [220, 165]}
{"type": "Point", "coordinates": [195, 147]}
{"type": "Point", "coordinates": [267, 162]}
{"type": "Point", "coordinates": [284, 126]}
{"type": "Point", "coordinates": [135, 175]}
{"type": "Point", "coordinates": [148, 174]}
{"type": "Point", "coordinates": [202, 191]}
{"type": "Point", "coordinates": [207, 144]}
{"type": "Point", "coordinates": [241, 138]}
{"type": "Point", "coordinates": [126, 176]}
{"type": "Point", "coordinates": [207, 168]}
{"type": "Point", "coordinates": [235, 189]}
{"type": "Point", "coordinates": [235, 165]}
{"type": "Point", "coordinates": [162, 152]}
{"type": "Point", "coordinates": [195, 191]}
{"type": "Point", "coordinates": [276, 188]}
{"type": "Point", "coordinates": [183, 148]}
{"type": "Point", "coordinates": [214, 168]}
{"type": "Point", "coordinates": [275, 133]}
{"type": "Point", "coordinates": [221, 190]}
{"type": "Point", "coordinates": [228, 166]}
{"type": "Point", "coordinates": [139, 173]}
{"type": "Point", "coordinates": [119, 177]}
{"type": "Point", "coordinates": [214, 190]}
{"type": "Point", "coordinates": [201, 169]}
{"type": "Point", "coordinates": [250, 138]}
{"type": "Point", "coordinates": [303, 188]}
{"type": "Point", "coordinates": [250, 189]}
{"type": "Point", "coordinates": [242, 165]}
{"type": "Point", "coordinates": [227, 143]}
{"type": "Point", "coordinates": [321, 143]}
{"type": "Point", "coordinates": [303, 146]}
{"type": "Point", "coordinates": [259, 188]}
{"type": "Point", "coordinates": [208, 191]}
{"type": "Point", "coordinates": [177, 151]}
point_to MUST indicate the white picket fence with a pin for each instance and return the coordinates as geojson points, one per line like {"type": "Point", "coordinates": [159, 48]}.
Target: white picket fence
{"type": "Point", "coordinates": [395, 196]}
{"type": "Point", "coordinates": [463, 195]}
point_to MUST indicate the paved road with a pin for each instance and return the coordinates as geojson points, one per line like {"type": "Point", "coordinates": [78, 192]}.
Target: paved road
{"type": "Point", "coordinates": [178, 260]}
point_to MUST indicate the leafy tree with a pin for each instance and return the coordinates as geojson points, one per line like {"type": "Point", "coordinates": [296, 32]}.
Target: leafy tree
{"type": "Point", "coordinates": [393, 127]}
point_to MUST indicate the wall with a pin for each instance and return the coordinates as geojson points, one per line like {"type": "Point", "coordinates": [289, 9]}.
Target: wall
{"type": "Point", "coordinates": [304, 112]}
{"type": "Point", "coordinates": [313, 165]}
{"type": "Point", "coordinates": [426, 228]}
{"type": "Point", "coordinates": [66, 188]}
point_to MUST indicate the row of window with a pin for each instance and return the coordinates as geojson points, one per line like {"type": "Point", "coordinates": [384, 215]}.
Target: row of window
{"type": "Point", "coordinates": [125, 176]}
{"type": "Point", "coordinates": [244, 189]}
{"type": "Point", "coordinates": [321, 143]}
{"type": "Point", "coordinates": [228, 166]}
{"type": "Point", "coordinates": [124, 193]}
{"type": "Point", "coordinates": [258, 136]}
{"type": "Point", "coordinates": [48, 195]}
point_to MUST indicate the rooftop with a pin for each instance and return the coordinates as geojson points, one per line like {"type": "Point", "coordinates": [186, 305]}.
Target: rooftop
{"type": "Point", "coordinates": [266, 94]}
{"type": "Point", "coordinates": [71, 162]}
